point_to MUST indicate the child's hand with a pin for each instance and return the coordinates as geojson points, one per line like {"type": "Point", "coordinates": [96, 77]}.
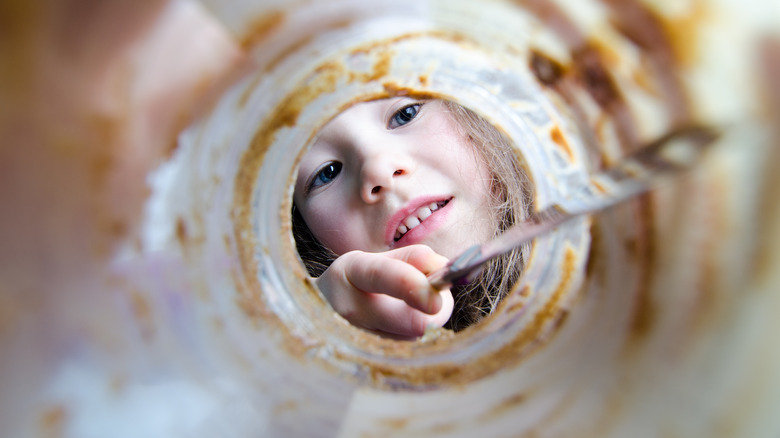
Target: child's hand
{"type": "Point", "coordinates": [388, 293]}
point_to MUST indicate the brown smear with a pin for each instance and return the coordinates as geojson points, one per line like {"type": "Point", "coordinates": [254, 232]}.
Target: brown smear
{"type": "Point", "coordinates": [557, 137]}
{"type": "Point", "coordinates": [190, 237]}
{"type": "Point", "coordinates": [643, 80]}
{"type": "Point", "coordinates": [595, 78]}
{"type": "Point", "coordinates": [118, 384]}
{"type": "Point", "coordinates": [683, 31]}
{"type": "Point", "coordinates": [384, 44]}
{"type": "Point", "coordinates": [555, 19]}
{"type": "Point", "coordinates": [261, 28]}
{"type": "Point", "coordinates": [53, 421]}
{"type": "Point", "coordinates": [324, 80]}
{"type": "Point", "coordinates": [642, 26]}
{"type": "Point", "coordinates": [546, 69]}
{"type": "Point", "coordinates": [768, 213]}
{"type": "Point", "coordinates": [660, 41]}
{"type": "Point", "coordinates": [516, 303]}
{"type": "Point", "coordinates": [594, 267]}
{"type": "Point", "coordinates": [507, 405]}
{"type": "Point", "coordinates": [768, 72]}
{"type": "Point", "coordinates": [380, 69]}
{"type": "Point", "coordinates": [598, 186]}
{"type": "Point", "coordinates": [104, 130]}
{"type": "Point", "coordinates": [291, 47]}
{"type": "Point", "coordinates": [443, 429]}
{"type": "Point", "coordinates": [20, 23]}
{"type": "Point", "coordinates": [594, 75]}
{"type": "Point", "coordinates": [709, 302]}
{"type": "Point", "coordinates": [288, 406]}
{"type": "Point", "coordinates": [181, 231]}
{"type": "Point", "coordinates": [397, 424]}
{"type": "Point", "coordinates": [587, 70]}
{"type": "Point", "coordinates": [644, 314]}
{"type": "Point", "coordinates": [392, 89]}
{"type": "Point", "coordinates": [142, 312]}
{"type": "Point", "coordinates": [525, 292]}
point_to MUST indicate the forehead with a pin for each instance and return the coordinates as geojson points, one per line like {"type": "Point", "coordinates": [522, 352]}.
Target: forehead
{"type": "Point", "coordinates": [373, 114]}
{"type": "Point", "coordinates": [358, 115]}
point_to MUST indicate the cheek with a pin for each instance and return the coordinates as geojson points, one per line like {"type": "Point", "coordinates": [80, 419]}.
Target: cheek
{"type": "Point", "coordinates": [457, 154]}
{"type": "Point", "coordinates": [481, 192]}
{"type": "Point", "coordinates": [473, 175]}
{"type": "Point", "coordinates": [320, 221]}
{"type": "Point", "coordinates": [333, 228]}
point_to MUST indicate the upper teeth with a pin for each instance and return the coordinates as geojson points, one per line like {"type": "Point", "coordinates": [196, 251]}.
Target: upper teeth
{"type": "Point", "coordinates": [417, 218]}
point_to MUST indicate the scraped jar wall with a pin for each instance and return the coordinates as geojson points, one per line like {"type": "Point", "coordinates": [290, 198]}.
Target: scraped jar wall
{"type": "Point", "coordinates": [652, 318]}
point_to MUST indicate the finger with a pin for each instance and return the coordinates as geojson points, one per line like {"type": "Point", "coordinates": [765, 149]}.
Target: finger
{"type": "Point", "coordinates": [377, 273]}
{"type": "Point", "coordinates": [441, 317]}
{"type": "Point", "coordinates": [386, 315]}
{"type": "Point", "coordinates": [420, 256]}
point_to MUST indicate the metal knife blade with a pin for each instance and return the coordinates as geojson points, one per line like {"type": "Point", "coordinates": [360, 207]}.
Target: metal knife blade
{"type": "Point", "coordinates": [636, 174]}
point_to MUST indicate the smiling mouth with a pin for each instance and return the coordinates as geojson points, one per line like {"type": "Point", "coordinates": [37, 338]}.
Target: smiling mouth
{"type": "Point", "coordinates": [419, 216]}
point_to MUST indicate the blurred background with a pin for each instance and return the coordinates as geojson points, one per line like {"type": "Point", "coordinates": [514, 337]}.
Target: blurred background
{"type": "Point", "coordinates": [129, 305]}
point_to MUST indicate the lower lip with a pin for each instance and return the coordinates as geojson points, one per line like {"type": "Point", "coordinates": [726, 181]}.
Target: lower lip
{"type": "Point", "coordinates": [419, 233]}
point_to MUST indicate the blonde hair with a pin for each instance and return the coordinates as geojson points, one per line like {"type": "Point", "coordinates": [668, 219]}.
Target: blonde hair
{"type": "Point", "coordinates": [511, 202]}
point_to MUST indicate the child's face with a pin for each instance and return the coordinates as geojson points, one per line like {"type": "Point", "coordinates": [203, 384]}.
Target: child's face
{"type": "Point", "coordinates": [391, 173]}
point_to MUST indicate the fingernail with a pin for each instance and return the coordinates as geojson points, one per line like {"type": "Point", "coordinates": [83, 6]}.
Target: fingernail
{"type": "Point", "coordinates": [434, 301]}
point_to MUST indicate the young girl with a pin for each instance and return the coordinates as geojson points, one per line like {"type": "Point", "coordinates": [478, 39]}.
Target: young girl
{"type": "Point", "coordinates": [390, 190]}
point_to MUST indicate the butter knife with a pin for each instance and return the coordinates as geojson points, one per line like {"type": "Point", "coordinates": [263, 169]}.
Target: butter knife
{"type": "Point", "coordinates": [639, 172]}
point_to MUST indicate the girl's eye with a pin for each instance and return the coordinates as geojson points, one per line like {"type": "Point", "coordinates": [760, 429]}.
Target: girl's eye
{"type": "Point", "coordinates": [325, 175]}
{"type": "Point", "coordinates": [404, 115]}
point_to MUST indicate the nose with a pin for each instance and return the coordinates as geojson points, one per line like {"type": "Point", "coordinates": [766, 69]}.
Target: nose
{"type": "Point", "coordinates": [379, 175]}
